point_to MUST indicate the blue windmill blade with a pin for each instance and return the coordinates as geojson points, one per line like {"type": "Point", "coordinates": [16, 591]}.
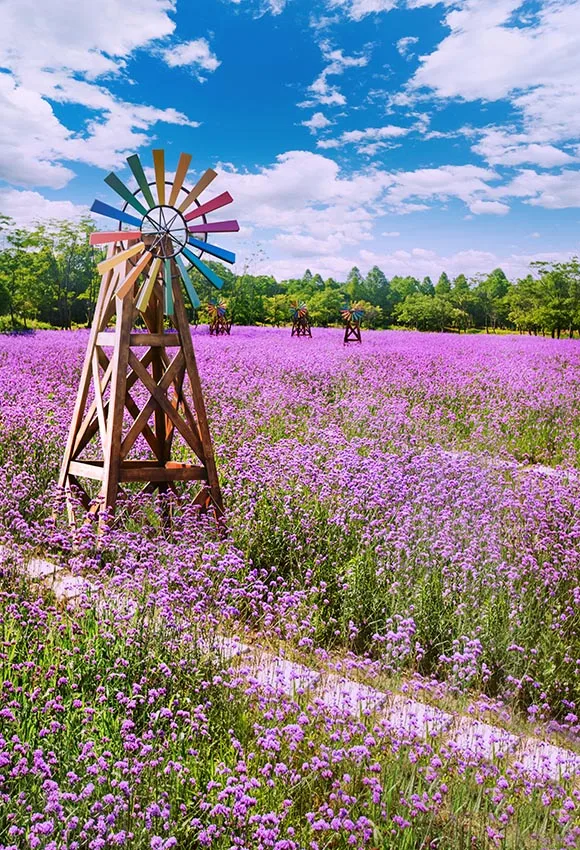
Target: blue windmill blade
{"type": "Point", "coordinates": [205, 270]}
{"type": "Point", "coordinates": [227, 256]}
{"type": "Point", "coordinates": [190, 288]}
{"type": "Point", "coordinates": [110, 212]}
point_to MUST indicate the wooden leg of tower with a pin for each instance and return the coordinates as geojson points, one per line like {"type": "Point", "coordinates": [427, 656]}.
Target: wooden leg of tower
{"type": "Point", "coordinates": [65, 480]}
{"type": "Point", "coordinates": [208, 460]}
{"type": "Point", "coordinates": [112, 454]}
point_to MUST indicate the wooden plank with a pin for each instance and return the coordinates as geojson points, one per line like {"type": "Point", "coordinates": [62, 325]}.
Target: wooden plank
{"type": "Point", "coordinates": [143, 417]}
{"type": "Point", "coordinates": [112, 452]}
{"type": "Point", "coordinates": [106, 339]}
{"type": "Point", "coordinates": [208, 459]}
{"type": "Point", "coordinates": [99, 400]}
{"type": "Point", "coordinates": [163, 474]}
{"type": "Point", "coordinates": [86, 470]}
{"type": "Point", "coordinates": [160, 396]}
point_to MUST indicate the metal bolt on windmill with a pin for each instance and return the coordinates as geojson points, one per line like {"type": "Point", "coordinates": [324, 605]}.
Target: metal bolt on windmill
{"type": "Point", "coordinates": [352, 318]}
{"type": "Point", "coordinates": [139, 377]}
{"type": "Point", "coordinates": [300, 319]}
{"type": "Point", "coordinates": [219, 323]}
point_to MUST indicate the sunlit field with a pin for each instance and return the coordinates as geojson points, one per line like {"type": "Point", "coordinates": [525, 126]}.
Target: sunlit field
{"type": "Point", "coordinates": [407, 510]}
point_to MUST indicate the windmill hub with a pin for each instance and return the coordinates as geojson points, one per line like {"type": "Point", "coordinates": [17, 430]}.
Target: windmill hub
{"type": "Point", "coordinates": [164, 231]}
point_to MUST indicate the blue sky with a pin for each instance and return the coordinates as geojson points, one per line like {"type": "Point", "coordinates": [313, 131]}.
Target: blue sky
{"type": "Point", "coordinates": [414, 134]}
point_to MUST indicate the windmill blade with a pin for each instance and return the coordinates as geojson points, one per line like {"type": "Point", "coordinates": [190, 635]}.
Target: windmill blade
{"type": "Point", "coordinates": [227, 256]}
{"type": "Point", "coordinates": [206, 178]}
{"type": "Point", "coordinates": [127, 284]}
{"type": "Point", "coordinates": [119, 187]}
{"type": "Point", "coordinates": [134, 164]}
{"type": "Point", "coordinates": [121, 257]}
{"type": "Point", "coordinates": [205, 270]}
{"type": "Point", "coordinates": [180, 174]}
{"type": "Point", "coordinates": [168, 288]}
{"type": "Point", "coordinates": [231, 226]}
{"type": "Point", "coordinates": [110, 212]}
{"type": "Point", "coordinates": [159, 165]}
{"type": "Point", "coordinates": [147, 288]}
{"type": "Point", "coordinates": [192, 294]}
{"type": "Point", "coordinates": [215, 204]}
{"type": "Point", "coordinates": [114, 236]}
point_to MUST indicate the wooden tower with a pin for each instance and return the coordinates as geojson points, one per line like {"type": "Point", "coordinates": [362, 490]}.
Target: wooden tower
{"type": "Point", "coordinates": [300, 319]}
{"type": "Point", "coordinates": [352, 318]}
{"type": "Point", "coordinates": [140, 400]}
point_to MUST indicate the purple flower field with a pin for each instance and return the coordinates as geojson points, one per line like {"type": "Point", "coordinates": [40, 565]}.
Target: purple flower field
{"type": "Point", "coordinates": [407, 510]}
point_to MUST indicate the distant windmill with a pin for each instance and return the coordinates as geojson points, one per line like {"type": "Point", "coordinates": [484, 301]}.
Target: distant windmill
{"type": "Point", "coordinates": [219, 323]}
{"type": "Point", "coordinates": [300, 319]}
{"type": "Point", "coordinates": [352, 317]}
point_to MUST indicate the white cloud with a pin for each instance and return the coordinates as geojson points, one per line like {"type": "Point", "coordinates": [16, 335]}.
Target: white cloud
{"type": "Point", "coordinates": [54, 53]}
{"type": "Point", "coordinates": [322, 92]}
{"type": "Point", "coordinates": [390, 233]}
{"type": "Point", "coordinates": [358, 9]}
{"type": "Point", "coordinates": [499, 147]}
{"type": "Point", "coordinates": [317, 122]}
{"type": "Point", "coordinates": [469, 183]}
{"type": "Point", "coordinates": [489, 207]}
{"type": "Point", "coordinates": [553, 191]}
{"type": "Point", "coordinates": [371, 134]}
{"type": "Point", "coordinates": [491, 54]}
{"type": "Point", "coordinates": [404, 44]}
{"type": "Point", "coordinates": [197, 54]}
{"type": "Point", "coordinates": [26, 207]}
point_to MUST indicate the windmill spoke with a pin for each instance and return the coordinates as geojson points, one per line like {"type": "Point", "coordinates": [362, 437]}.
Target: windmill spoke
{"type": "Point", "coordinates": [127, 284]}
{"type": "Point", "coordinates": [231, 226]}
{"type": "Point", "coordinates": [119, 187]}
{"type": "Point", "coordinates": [206, 178]}
{"type": "Point", "coordinates": [110, 212]}
{"type": "Point", "coordinates": [147, 288]}
{"type": "Point", "coordinates": [227, 256]}
{"type": "Point", "coordinates": [180, 174]}
{"type": "Point", "coordinates": [114, 236]}
{"type": "Point", "coordinates": [205, 270]}
{"type": "Point", "coordinates": [134, 164]}
{"type": "Point", "coordinates": [215, 204]}
{"type": "Point", "coordinates": [190, 288]}
{"type": "Point", "coordinates": [121, 257]}
{"type": "Point", "coordinates": [159, 165]}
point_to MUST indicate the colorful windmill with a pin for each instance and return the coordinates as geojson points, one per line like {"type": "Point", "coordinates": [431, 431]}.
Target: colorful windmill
{"type": "Point", "coordinates": [352, 317]}
{"type": "Point", "coordinates": [300, 319]}
{"type": "Point", "coordinates": [219, 323]}
{"type": "Point", "coordinates": [161, 235]}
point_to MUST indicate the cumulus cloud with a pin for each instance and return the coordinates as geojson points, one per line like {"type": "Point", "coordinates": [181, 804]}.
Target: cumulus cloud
{"type": "Point", "coordinates": [404, 44]}
{"type": "Point", "coordinates": [317, 122]}
{"type": "Point", "coordinates": [26, 207]}
{"type": "Point", "coordinates": [362, 138]}
{"type": "Point", "coordinates": [195, 54]}
{"type": "Point", "coordinates": [61, 53]}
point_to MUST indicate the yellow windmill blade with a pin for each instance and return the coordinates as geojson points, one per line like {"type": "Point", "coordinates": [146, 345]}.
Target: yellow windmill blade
{"type": "Point", "coordinates": [159, 164]}
{"type": "Point", "coordinates": [206, 178]}
{"type": "Point", "coordinates": [128, 282]}
{"type": "Point", "coordinates": [147, 288]}
{"type": "Point", "coordinates": [180, 176]}
{"type": "Point", "coordinates": [113, 261]}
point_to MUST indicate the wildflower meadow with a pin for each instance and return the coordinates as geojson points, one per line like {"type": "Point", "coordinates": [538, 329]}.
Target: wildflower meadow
{"type": "Point", "coordinates": [404, 512]}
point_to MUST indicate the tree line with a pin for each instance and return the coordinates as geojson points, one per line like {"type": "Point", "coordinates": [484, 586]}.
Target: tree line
{"type": "Point", "coordinates": [49, 277]}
